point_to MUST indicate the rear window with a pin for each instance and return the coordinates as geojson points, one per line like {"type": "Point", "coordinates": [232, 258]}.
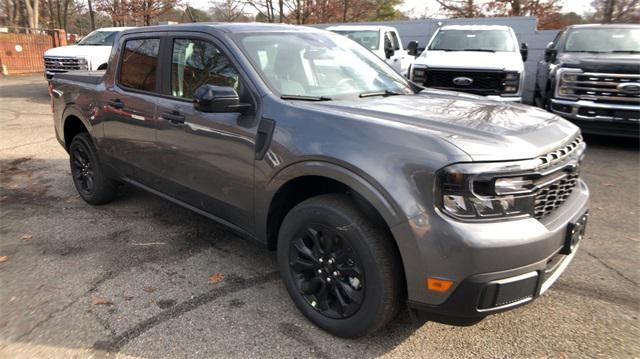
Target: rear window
{"type": "Point", "coordinates": [138, 70]}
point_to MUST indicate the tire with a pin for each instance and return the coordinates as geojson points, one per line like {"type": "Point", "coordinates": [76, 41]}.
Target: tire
{"type": "Point", "coordinates": [87, 173]}
{"type": "Point", "coordinates": [360, 286]}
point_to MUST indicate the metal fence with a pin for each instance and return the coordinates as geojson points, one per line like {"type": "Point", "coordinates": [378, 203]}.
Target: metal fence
{"type": "Point", "coordinates": [523, 26]}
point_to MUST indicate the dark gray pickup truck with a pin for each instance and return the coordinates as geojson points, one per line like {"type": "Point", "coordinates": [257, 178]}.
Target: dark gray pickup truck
{"type": "Point", "coordinates": [374, 191]}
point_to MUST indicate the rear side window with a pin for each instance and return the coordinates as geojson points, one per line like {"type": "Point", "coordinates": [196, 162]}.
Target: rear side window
{"type": "Point", "coordinates": [138, 70]}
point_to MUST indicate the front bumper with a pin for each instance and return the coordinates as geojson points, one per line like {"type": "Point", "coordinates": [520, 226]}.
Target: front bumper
{"type": "Point", "coordinates": [600, 118]}
{"type": "Point", "coordinates": [514, 99]}
{"type": "Point", "coordinates": [523, 257]}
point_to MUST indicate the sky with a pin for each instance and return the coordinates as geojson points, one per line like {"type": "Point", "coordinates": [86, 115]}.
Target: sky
{"type": "Point", "coordinates": [431, 7]}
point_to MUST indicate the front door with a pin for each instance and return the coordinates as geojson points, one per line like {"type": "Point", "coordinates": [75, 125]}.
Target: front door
{"type": "Point", "coordinates": [207, 159]}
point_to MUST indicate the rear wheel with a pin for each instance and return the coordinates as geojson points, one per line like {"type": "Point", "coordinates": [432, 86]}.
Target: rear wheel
{"type": "Point", "coordinates": [340, 269]}
{"type": "Point", "coordinates": [88, 177]}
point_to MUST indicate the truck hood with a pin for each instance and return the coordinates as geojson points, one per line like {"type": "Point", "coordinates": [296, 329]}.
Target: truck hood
{"type": "Point", "coordinates": [604, 63]}
{"type": "Point", "coordinates": [507, 61]}
{"type": "Point", "coordinates": [485, 130]}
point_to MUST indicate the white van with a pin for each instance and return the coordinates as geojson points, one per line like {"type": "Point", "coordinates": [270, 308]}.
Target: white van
{"type": "Point", "coordinates": [90, 53]}
{"type": "Point", "coordinates": [383, 41]}
{"type": "Point", "coordinates": [479, 59]}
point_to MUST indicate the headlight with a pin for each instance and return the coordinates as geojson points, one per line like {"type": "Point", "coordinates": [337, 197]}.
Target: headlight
{"type": "Point", "coordinates": [511, 83]}
{"type": "Point", "coordinates": [565, 86]}
{"type": "Point", "coordinates": [477, 191]}
{"type": "Point", "coordinates": [419, 74]}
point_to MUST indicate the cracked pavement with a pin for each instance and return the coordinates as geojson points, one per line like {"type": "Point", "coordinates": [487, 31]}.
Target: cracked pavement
{"type": "Point", "coordinates": [130, 279]}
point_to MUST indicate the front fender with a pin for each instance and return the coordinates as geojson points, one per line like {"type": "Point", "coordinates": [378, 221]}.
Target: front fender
{"type": "Point", "coordinates": [365, 187]}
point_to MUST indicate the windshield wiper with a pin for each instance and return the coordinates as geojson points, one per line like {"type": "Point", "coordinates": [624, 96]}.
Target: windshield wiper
{"type": "Point", "coordinates": [625, 52]}
{"type": "Point", "coordinates": [305, 98]}
{"type": "Point", "coordinates": [379, 93]}
{"type": "Point", "coordinates": [481, 50]}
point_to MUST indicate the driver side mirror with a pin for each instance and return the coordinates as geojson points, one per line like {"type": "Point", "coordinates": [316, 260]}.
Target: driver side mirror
{"type": "Point", "coordinates": [524, 51]}
{"type": "Point", "coordinates": [412, 48]}
{"type": "Point", "coordinates": [388, 52]}
{"type": "Point", "coordinates": [210, 98]}
{"type": "Point", "coordinates": [550, 53]}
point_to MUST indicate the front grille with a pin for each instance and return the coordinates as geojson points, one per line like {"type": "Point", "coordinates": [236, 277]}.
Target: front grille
{"type": "Point", "coordinates": [554, 195]}
{"type": "Point", "coordinates": [484, 82]}
{"type": "Point", "coordinates": [561, 181]}
{"type": "Point", "coordinates": [600, 87]}
{"type": "Point", "coordinates": [64, 64]}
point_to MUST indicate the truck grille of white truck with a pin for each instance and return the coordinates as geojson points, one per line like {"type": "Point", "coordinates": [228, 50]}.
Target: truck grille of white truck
{"type": "Point", "coordinates": [64, 64]}
{"type": "Point", "coordinates": [482, 82]}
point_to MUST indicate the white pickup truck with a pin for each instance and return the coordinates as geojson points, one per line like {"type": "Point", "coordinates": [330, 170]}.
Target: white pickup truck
{"type": "Point", "coordinates": [89, 54]}
{"type": "Point", "coordinates": [383, 41]}
{"type": "Point", "coordinates": [479, 59]}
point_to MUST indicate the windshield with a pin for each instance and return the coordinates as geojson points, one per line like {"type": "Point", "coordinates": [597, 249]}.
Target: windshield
{"type": "Point", "coordinates": [99, 38]}
{"type": "Point", "coordinates": [320, 65]}
{"type": "Point", "coordinates": [473, 40]}
{"type": "Point", "coordinates": [367, 38]}
{"type": "Point", "coordinates": [603, 40]}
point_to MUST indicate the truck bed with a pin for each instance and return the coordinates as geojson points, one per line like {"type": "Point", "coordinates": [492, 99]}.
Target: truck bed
{"type": "Point", "coordinates": [88, 77]}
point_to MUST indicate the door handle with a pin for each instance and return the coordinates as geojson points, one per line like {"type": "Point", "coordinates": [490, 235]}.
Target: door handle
{"type": "Point", "coordinates": [116, 103]}
{"type": "Point", "coordinates": [173, 117]}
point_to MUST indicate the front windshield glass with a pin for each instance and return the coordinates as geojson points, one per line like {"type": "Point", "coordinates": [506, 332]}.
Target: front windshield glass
{"type": "Point", "coordinates": [319, 64]}
{"type": "Point", "coordinates": [367, 38]}
{"type": "Point", "coordinates": [99, 38]}
{"type": "Point", "coordinates": [603, 40]}
{"type": "Point", "coordinates": [473, 40]}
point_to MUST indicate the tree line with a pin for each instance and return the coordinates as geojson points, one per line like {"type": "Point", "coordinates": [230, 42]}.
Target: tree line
{"type": "Point", "coordinates": [81, 16]}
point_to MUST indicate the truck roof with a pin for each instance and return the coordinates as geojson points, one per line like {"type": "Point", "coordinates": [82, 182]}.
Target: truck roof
{"type": "Point", "coordinates": [228, 27]}
{"type": "Point", "coordinates": [475, 27]}
{"type": "Point", "coordinates": [359, 28]}
{"type": "Point", "coordinates": [604, 26]}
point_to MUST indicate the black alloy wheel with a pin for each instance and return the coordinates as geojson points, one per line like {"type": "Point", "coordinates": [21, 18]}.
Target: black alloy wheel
{"type": "Point", "coordinates": [327, 271]}
{"type": "Point", "coordinates": [82, 170]}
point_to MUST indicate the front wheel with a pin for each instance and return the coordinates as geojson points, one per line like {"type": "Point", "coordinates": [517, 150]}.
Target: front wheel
{"type": "Point", "coordinates": [341, 270]}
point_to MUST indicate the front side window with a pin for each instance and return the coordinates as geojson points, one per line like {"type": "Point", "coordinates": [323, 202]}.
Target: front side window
{"type": "Point", "coordinates": [473, 40]}
{"type": "Point", "coordinates": [624, 40]}
{"type": "Point", "coordinates": [138, 70]}
{"type": "Point", "coordinates": [394, 40]}
{"type": "Point", "coordinates": [197, 62]}
{"type": "Point", "coordinates": [319, 64]}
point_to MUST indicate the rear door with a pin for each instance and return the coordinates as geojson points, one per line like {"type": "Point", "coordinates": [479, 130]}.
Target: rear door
{"type": "Point", "coordinates": [130, 101]}
{"type": "Point", "coordinates": [206, 159]}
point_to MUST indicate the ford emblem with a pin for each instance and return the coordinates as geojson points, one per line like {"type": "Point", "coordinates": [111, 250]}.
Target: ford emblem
{"type": "Point", "coordinates": [462, 81]}
{"type": "Point", "coordinates": [630, 88]}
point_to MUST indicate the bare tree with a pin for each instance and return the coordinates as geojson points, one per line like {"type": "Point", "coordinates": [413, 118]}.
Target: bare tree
{"type": "Point", "coordinates": [32, 8]}
{"type": "Point", "coordinates": [228, 10]}
{"type": "Point", "coordinates": [460, 8]}
{"type": "Point", "coordinates": [616, 11]}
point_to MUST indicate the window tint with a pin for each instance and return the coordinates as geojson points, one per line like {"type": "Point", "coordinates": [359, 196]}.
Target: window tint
{"type": "Point", "coordinates": [195, 63]}
{"type": "Point", "coordinates": [140, 64]}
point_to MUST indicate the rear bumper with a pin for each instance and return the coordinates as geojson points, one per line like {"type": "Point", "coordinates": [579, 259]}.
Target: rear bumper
{"type": "Point", "coordinates": [494, 266]}
{"type": "Point", "coordinates": [598, 118]}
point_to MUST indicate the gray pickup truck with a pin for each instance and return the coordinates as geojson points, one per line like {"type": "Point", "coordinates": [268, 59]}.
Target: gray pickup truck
{"type": "Point", "coordinates": [374, 191]}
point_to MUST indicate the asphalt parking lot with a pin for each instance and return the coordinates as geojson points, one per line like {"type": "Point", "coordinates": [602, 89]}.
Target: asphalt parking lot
{"type": "Point", "coordinates": [141, 277]}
